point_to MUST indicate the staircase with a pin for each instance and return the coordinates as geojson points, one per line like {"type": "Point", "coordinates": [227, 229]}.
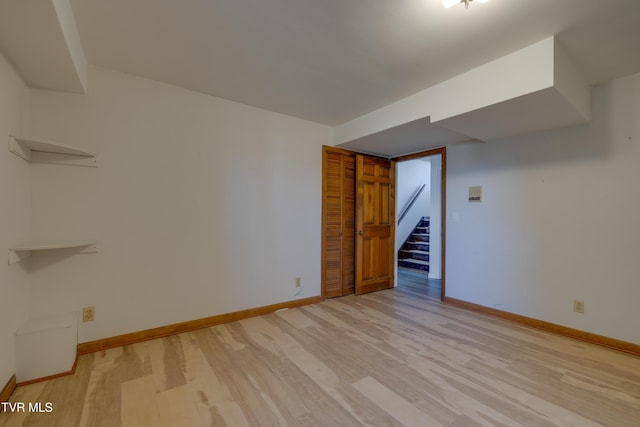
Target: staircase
{"type": "Point", "coordinates": [414, 253]}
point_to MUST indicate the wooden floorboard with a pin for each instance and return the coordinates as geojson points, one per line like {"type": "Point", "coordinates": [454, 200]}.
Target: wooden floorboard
{"type": "Point", "coordinates": [390, 358]}
{"type": "Point", "coordinates": [418, 283]}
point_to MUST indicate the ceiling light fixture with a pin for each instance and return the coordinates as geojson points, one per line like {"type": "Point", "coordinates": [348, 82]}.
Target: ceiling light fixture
{"type": "Point", "coordinates": [449, 3]}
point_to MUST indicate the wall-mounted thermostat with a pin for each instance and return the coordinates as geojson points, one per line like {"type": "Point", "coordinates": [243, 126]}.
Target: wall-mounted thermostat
{"type": "Point", "coordinates": [475, 193]}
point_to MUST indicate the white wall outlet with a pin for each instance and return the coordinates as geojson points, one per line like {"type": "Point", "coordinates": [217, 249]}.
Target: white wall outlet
{"type": "Point", "coordinates": [578, 306]}
{"type": "Point", "coordinates": [298, 282]}
{"type": "Point", "coordinates": [88, 314]}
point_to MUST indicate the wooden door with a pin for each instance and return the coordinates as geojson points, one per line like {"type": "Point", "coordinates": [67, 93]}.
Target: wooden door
{"type": "Point", "coordinates": [375, 222]}
{"type": "Point", "coordinates": [338, 222]}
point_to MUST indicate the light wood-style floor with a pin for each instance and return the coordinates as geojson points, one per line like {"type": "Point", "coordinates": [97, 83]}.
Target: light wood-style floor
{"type": "Point", "coordinates": [395, 357]}
{"type": "Point", "coordinates": [419, 283]}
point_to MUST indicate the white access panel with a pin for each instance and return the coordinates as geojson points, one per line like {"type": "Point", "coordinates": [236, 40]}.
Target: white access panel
{"type": "Point", "coordinates": [46, 346]}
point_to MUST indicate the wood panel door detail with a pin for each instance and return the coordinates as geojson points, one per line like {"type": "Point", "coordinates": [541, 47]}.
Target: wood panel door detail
{"type": "Point", "coordinates": [338, 223]}
{"type": "Point", "coordinates": [375, 222]}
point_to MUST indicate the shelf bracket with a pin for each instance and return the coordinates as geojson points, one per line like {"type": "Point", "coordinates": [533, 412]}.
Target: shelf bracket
{"type": "Point", "coordinates": [18, 256]}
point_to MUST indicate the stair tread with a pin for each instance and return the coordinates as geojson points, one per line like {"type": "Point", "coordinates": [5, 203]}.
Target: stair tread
{"type": "Point", "coordinates": [418, 241]}
{"type": "Point", "coordinates": [415, 261]}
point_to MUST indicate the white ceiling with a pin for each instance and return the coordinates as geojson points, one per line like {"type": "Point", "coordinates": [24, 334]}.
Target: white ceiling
{"type": "Point", "coordinates": [412, 137]}
{"type": "Point", "coordinates": [330, 61]}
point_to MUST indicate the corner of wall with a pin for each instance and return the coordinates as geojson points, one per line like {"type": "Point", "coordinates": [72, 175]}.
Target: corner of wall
{"type": "Point", "coordinates": [72, 38]}
{"type": "Point", "coordinates": [570, 83]}
{"type": "Point", "coordinates": [15, 185]}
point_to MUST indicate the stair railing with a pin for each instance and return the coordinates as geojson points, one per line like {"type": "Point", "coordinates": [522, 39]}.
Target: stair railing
{"type": "Point", "coordinates": [410, 203]}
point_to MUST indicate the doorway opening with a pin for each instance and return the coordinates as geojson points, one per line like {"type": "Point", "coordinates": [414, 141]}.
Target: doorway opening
{"type": "Point", "coordinates": [419, 237]}
{"type": "Point", "coordinates": [359, 221]}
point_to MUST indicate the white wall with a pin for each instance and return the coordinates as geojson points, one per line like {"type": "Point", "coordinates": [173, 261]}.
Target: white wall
{"type": "Point", "coordinates": [15, 195]}
{"type": "Point", "coordinates": [409, 177]}
{"type": "Point", "coordinates": [201, 206]}
{"type": "Point", "coordinates": [559, 220]}
{"type": "Point", "coordinates": [435, 223]}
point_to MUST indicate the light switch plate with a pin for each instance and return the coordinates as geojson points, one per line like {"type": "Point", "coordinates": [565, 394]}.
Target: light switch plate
{"type": "Point", "coordinates": [475, 193]}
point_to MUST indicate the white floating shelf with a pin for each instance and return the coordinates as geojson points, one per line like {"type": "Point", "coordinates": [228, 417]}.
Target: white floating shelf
{"type": "Point", "coordinates": [22, 251]}
{"type": "Point", "coordinates": [41, 151]}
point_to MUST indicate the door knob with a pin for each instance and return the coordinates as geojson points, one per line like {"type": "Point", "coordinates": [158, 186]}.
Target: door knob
{"type": "Point", "coordinates": [361, 233]}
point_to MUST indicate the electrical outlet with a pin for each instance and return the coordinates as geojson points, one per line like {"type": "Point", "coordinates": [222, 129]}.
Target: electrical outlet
{"type": "Point", "coordinates": [298, 282]}
{"type": "Point", "coordinates": [88, 314]}
{"type": "Point", "coordinates": [578, 306]}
